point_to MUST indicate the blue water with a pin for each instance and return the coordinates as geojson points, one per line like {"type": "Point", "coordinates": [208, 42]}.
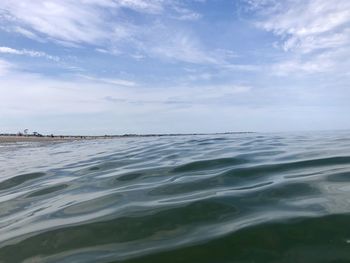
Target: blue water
{"type": "Point", "coordinates": [214, 198]}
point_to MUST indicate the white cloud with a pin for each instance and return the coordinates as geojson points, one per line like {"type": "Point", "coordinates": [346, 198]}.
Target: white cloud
{"type": "Point", "coordinates": [83, 104]}
{"type": "Point", "coordinates": [185, 14]}
{"type": "Point", "coordinates": [184, 48]}
{"type": "Point", "coordinates": [148, 6]}
{"type": "Point", "coordinates": [38, 95]}
{"type": "Point", "coordinates": [26, 33]}
{"type": "Point", "coordinates": [297, 65]}
{"type": "Point", "coordinates": [315, 32]}
{"type": "Point", "coordinates": [103, 24]}
{"type": "Point", "coordinates": [143, 6]}
{"type": "Point", "coordinates": [118, 82]}
{"type": "Point", "coordinates": [79, 21]}
{"type": "Point", "coordinates": [178, 44]}
{"type": "Point", "coordinates": [72, 21]}
{"type": "Point", "coordinates": [25, 52]}
{"type": "Point", "coordinates": [310, 25]}
{"type": "Point", "coordinates": [321, 62]}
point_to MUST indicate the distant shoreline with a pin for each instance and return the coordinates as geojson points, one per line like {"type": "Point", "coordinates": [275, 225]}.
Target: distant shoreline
{"type": "Point", "coordinates": [8, 138]}
{"type": "Point", "coordinates": [15, 138]}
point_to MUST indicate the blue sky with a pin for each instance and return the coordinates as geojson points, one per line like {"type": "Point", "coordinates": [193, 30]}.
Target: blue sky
{"type": "Point", "coordinates": [163, 66]}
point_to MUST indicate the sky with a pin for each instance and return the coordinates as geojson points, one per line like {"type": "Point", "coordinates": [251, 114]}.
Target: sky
{"type": "Point", "coordinates": [95, 67]}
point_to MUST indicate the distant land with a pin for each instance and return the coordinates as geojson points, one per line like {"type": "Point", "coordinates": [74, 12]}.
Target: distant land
{"type": "Point", "coordinates": [20, 137]}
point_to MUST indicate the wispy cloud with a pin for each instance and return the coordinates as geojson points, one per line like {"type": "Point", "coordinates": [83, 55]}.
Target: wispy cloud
{"type": "Point", "coordinates": [81, 21]}
{"type": "Point", "coordinates": [311, 30]}
{"type": "Point", "coordinates": [117, 82]}
{"type": "Point", "coordinates": [25, 52]}
{"type": "Point", "coordinates": [182, 96]}
{"type": "Point", "coordinates": [44, 95]}
{"type": "Point", "coordinates": [174, 44]}
{"type": "Point", "coordinates": [182, 47]}
{"type": "Point", "coordinates": [183, 13]}
{"type": "Point", "coordinates": [75, 22]}
{"type": "Point", "coordinates": [102, 24]}
{"type": "Point", "coordinates": [310, 25]}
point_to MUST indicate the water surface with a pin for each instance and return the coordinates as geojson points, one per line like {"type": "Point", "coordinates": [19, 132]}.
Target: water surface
{"type": "Point", "coordinates": [218, 198]}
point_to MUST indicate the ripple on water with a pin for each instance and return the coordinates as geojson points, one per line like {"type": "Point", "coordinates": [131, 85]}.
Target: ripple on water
{"type": "Point", "coordinates": [230, 198]}
{"type": "Point", "coordinates": [19, 179]}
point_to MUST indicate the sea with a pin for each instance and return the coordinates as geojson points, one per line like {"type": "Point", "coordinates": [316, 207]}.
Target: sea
{"type": "Point", "coordinates": [248, 197]}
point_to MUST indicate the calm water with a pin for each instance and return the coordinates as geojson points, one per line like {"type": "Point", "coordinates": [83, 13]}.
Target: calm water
{"type": "Point", "coordinates": [232, 198]}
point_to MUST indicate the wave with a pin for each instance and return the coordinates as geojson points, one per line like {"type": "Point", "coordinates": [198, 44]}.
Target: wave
{"type": "Point", "coordinates": [227, 198]}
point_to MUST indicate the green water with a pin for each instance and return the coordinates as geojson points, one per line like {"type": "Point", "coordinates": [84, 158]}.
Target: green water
{"type": "Point", "coordinates": [221, 198]}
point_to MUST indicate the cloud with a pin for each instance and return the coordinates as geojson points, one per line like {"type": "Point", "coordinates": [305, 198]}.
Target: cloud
{"type": "Point", "coordinates": [117, 82]}
{"type": "Point", "coordinates": [182, 47]}
{"type": "Point", "coordinates": [92, 22]}
{"type": "Point", "coordinates": [310, 25]}
{"type": "Point", "coordinates": [173, 43]}
{"type": "Point", "coordinates": [313, 32]}
{"type": "Point", "coordinates": [37, 95]}
{"type": "Point", "coordinates": [72, 21]}
{"type": "Point", "coordinates": [147, 6]}
{"type": "Point", "coordinates": [183, 13]}
{"type": "Point", "coordinates": [295, 66]}
{"type": "Point", "coordinates": [98, 105]}
{"type": "Point", "coordinates": [104, 25]}
{"type": "Point", "coordinates": [25, 52]}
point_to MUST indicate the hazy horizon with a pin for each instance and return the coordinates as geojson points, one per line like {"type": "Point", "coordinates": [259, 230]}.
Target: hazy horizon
{"type": "Point", "coordinates": [95, 67]}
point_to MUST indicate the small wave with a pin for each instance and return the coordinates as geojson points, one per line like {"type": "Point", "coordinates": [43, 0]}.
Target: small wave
{"type": "Point", "coordinates": [233, 198]}
{"type": "Point", "coordinates": [19, 179]}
